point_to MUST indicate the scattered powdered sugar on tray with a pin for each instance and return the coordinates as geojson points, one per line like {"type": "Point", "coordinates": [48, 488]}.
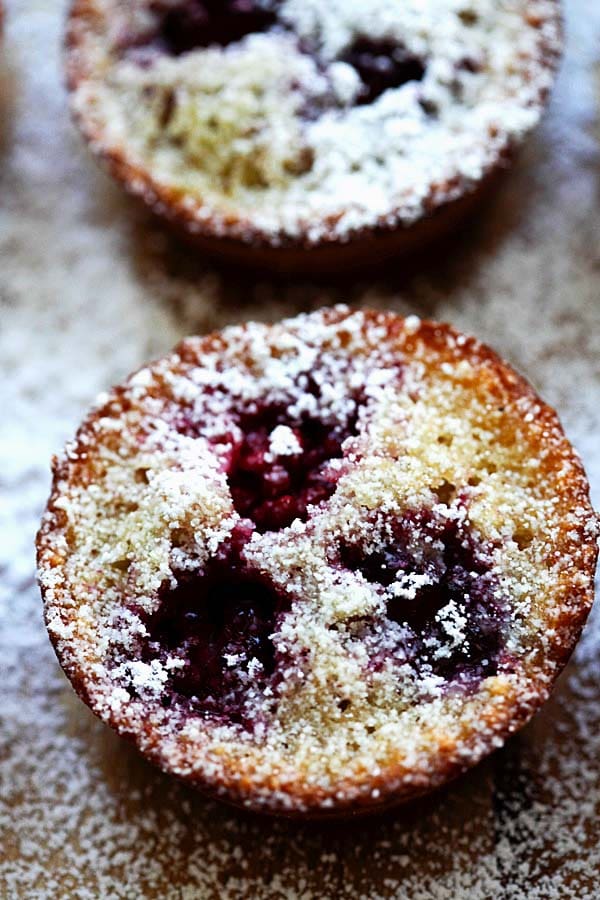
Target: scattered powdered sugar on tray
{"type": "Point", "coordinates": [89, 290]}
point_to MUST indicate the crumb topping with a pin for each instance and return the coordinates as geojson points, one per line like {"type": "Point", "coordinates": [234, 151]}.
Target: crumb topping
{"type": "Point", "coordinates": [311, 119]}
{"type": "Point", "coordinates": [406, 605]}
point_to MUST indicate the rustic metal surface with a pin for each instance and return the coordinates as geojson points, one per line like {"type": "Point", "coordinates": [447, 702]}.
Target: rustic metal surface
{"type": "Point", "coordinates": [89, 288]}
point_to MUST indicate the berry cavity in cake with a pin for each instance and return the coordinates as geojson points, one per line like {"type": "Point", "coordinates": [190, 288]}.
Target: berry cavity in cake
{"type": "Point", "coordinates": [318, 567]}
{"type": "Point", "coordinates": [264, 129]}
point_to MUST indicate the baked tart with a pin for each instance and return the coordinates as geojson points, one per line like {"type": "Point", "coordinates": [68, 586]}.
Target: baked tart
{"type": "Point", "coordinates": [304, 135]}
{"type": "Point", "coordinates": [318, 567]}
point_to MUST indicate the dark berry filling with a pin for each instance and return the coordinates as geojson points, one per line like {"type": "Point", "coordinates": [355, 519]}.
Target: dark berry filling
{"type": "Point", "coordinates": [382, 65]}
{"type": "Point", "coordinates": [271, 488]}
{"type": "Point", "coordinates": [217, 625]}
{"type": "Point", "coordinates": [458, 572]}
{"type": "Point", "coordinates": [196, 24]}
{"type": "Point", "coordinates": [206, 23]}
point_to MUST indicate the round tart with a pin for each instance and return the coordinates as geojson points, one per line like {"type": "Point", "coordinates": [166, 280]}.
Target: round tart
{"type": "Point", "coordinates": [321, 566]}
{"type": "Point", "coordinates": [295, 133]}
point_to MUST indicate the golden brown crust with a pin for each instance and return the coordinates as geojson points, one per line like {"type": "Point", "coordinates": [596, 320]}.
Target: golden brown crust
{"type": "Point", "coordinates": [240, 240]}
{"type": "Point", "coordinates": [502, 705]}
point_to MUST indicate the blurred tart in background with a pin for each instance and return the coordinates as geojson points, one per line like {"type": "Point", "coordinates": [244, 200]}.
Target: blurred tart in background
{"type": "Point", "coordinates": [303, 135]}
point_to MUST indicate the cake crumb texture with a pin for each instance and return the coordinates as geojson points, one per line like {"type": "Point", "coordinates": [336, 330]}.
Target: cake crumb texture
{"type": "Point", "coordinates": [339, 620]}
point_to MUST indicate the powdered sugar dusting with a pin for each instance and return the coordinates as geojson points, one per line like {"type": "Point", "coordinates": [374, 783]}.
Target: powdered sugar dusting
{"type": "Point", "coordinates": [283, 442]}
{"type": "Point", "coordinates": [270, 135]}
{"type": "Point", "coordinates": [178, 539]}
{"type": "Point", "coordinates": [80, 814]}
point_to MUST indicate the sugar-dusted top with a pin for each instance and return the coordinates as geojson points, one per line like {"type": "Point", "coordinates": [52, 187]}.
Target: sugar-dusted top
{"type": "Point", "coordinates": [303, 120]}
{"type": "Point", "coordinates": [319, 564]}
